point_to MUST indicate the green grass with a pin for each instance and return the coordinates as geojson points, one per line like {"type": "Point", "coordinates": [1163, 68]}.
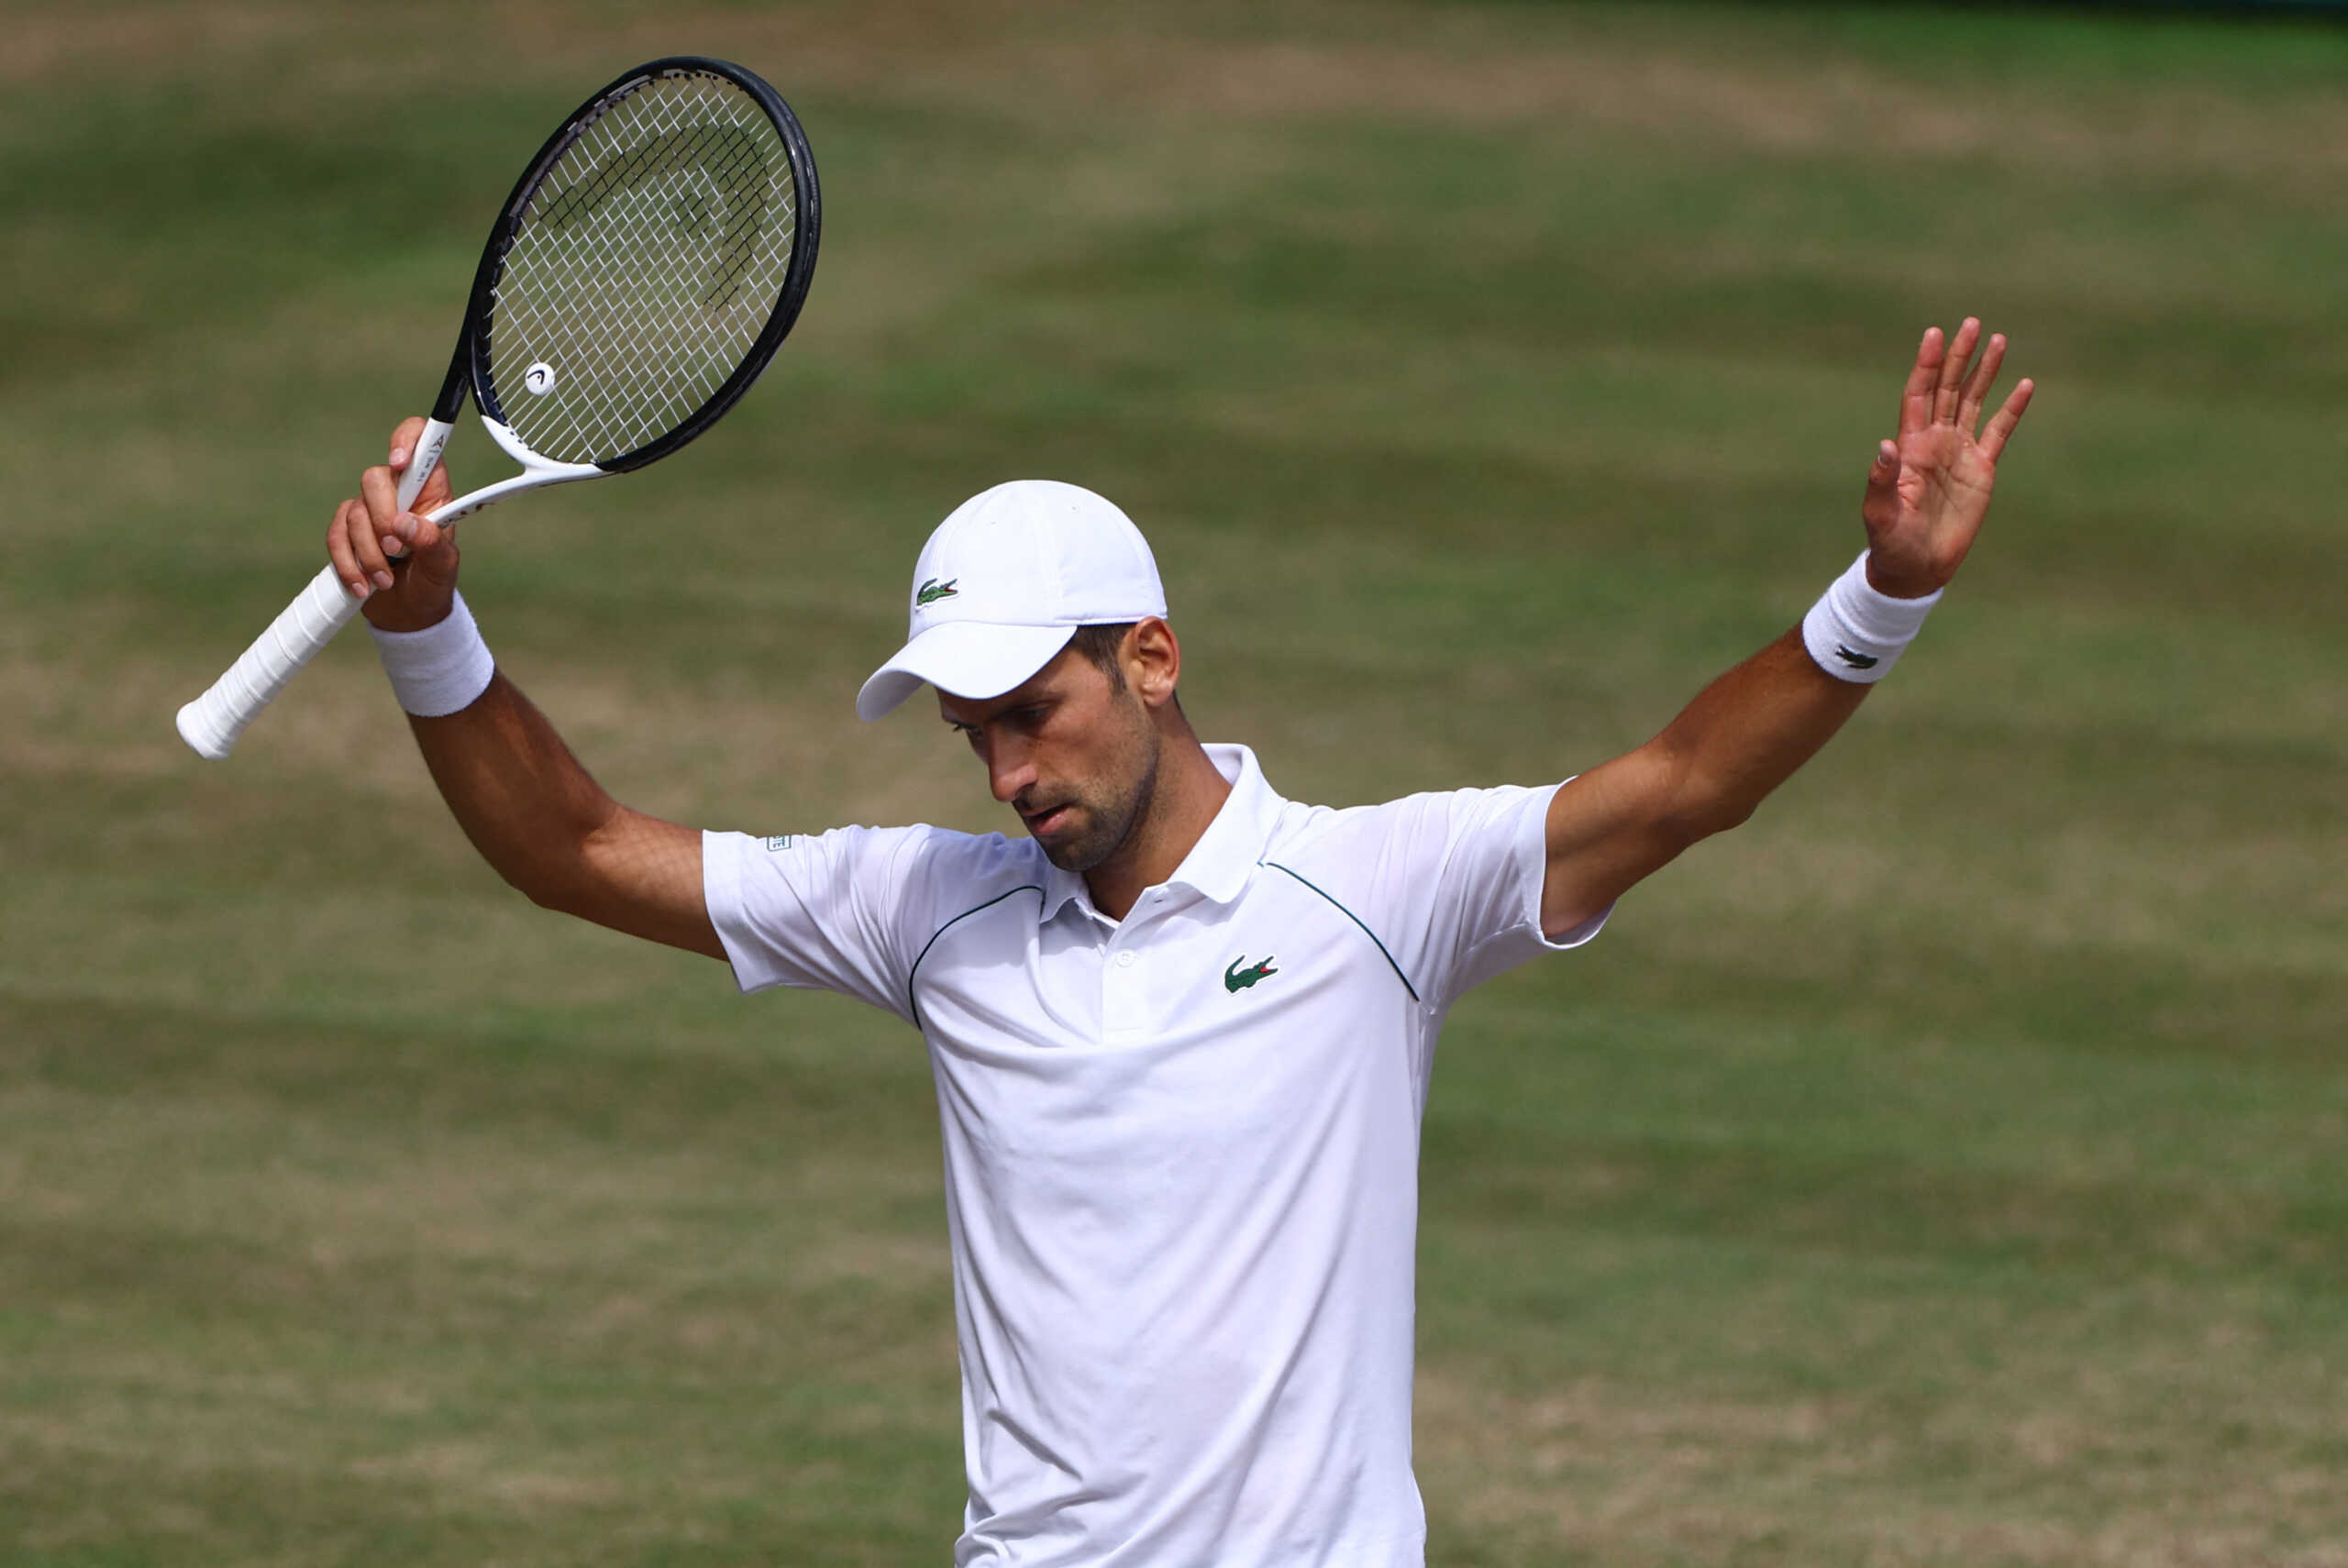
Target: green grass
{"type": "Point", "coordinates": [1940, 1170]}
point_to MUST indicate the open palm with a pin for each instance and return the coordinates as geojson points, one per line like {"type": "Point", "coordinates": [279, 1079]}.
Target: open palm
{"type": "Point", "coordinates": [1929, 490]}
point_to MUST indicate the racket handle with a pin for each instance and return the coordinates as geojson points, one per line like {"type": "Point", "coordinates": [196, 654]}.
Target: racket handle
{"type": "Point", "coordinates": [427, 456]}
{"type": "Point", "coordinates": [212, 722]}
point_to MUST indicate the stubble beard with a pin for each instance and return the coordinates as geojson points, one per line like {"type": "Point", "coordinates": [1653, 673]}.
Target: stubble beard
{"type": "Point", "coordinates": [1113, 821]}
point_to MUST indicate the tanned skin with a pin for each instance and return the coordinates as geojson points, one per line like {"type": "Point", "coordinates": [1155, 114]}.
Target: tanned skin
{"type": "Point", "coordinates": [1926, 497]}
{"type": "Point", "coordinates": [1104, 770]}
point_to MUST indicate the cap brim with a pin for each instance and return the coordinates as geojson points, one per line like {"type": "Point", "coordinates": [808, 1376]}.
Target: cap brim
{"type": "Point", "coordinates": [965, 658]}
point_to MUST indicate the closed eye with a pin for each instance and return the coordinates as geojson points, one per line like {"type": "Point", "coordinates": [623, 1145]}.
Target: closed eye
{"type": "Point", "coordinates": [1026, 721]}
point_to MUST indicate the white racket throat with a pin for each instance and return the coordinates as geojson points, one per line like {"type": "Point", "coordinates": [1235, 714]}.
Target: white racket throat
{"type": "Point", "coordinates": [536, 473]}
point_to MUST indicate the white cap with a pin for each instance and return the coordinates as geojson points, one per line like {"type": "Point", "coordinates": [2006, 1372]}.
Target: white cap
{"type": "Point", "coordinates": [1005, 581]}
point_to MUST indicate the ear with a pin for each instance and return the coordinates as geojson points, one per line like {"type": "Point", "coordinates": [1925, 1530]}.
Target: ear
{"type": "Point", "coordinates": [1153, 661]}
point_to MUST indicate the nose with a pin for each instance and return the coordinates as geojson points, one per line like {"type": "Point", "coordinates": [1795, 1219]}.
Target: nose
{"type": "Point", "coordinates": [1010, 769]}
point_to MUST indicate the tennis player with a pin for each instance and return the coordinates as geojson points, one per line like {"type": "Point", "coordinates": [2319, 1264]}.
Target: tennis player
{"type": "Point", "coordinates": [1181, 1027]}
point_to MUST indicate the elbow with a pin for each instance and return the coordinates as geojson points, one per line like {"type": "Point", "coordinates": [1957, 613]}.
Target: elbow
{"type": "Point", "coordinates": [571, 874]}
{"type": "Point", "coordinates": [549, 885]}
{"type": "Point", "coordinates": [546, 896]}
{"type": "Point", "coordinates": [1720, 816]}
{"type": "Point", "coordinates": [1703, 807]}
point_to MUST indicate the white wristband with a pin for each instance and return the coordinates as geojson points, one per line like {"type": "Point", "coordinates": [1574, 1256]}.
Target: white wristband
{"type": "Point", "coordinates": [439, 669]}
{"type": "Point", "coordinates": [1857, 634]}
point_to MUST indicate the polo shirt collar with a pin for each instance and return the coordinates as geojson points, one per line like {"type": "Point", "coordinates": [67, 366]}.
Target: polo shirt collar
{"type": "Point", "coordinates": [1219, 865]}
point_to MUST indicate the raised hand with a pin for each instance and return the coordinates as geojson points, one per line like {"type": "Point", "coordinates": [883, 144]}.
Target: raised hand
{"type": "Point", "coordinates": [403, 567]}
{"type": "Point", "coordinates": [1929, 490]}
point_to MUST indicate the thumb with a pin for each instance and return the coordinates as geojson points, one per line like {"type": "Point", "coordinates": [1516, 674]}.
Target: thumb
{"type": "Point", "coordinates": [1881, 506]}
{"type": "Point", "coordinates": [428, 551]}
{"type": "Point", "coordinates": [424, 576]}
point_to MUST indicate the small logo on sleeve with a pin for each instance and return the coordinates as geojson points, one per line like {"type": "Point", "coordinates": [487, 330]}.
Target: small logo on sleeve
{"type": "Point", "coordinates": [779, 842]}
{"type": "Point", "coordinates": [1856, 660]}
{"type": "Point", "coordinates": [933, 591]}
{"type": "Point", "coordinates": [1238, 979]}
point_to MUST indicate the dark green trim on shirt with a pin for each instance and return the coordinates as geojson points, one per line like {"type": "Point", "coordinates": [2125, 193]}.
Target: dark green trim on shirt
{"type": "Point", "coordinates": [913, 1006]}
{"type": "Point", "coordinates": [1365, 929]}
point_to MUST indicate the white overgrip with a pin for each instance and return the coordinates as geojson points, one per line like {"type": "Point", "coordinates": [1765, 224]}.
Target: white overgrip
{"type": "Point", "coordinates": [212, 722]}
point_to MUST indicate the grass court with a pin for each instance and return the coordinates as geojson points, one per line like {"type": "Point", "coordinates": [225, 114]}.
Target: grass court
{"type": "Point", "coordinates": [1944, 1169]}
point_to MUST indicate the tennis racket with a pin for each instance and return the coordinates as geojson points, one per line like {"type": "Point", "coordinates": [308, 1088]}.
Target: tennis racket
{"type": "Point", "coordinates": [640, 276]}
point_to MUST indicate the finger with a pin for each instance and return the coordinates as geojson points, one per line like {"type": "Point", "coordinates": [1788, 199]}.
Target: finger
{"type": "Point", "coordinates": [1880, 507]}
{"type": "Point", "coordinates": [396, 537]}
{"type": "Point", "coordinates": [397, 548]}
{"type": "Point", "coordinates": [2002, 422]}
{"type": "Point", "coordinates": [350, 517]}
{"type": "Point", "coordinates": [1977, 385]}
{"type": "Point", "coordinates": [379, 497]}
{"type": "Point", "coordinates": [437, 488]}
{"type": "Point", "coordinates": [435, 554]}
{"type": "Point", "coordinates": [403, 438]}
{"type": "Point", "coordinates": [1952, 378]}
{"type": "Point", "coordinates": [420, 538]}
{"type": "Point", "coordinates": [1916, 399]}
{"type": "Point", "coordinates": [412, 533]}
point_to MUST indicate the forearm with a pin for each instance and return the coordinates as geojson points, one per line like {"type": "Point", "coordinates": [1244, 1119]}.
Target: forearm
{"type": "Point", "coordinates": [1743, 737]}
{"type": "Point", "coordinates": [1746, 732]}
{"type": "Point", "coordinates": [526, 803]}
{"type": "Point", "coordinates": [533, 811]}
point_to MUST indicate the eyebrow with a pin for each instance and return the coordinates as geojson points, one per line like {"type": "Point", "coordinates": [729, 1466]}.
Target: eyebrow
{"type": "Point", "coordinates": [1036, 704]}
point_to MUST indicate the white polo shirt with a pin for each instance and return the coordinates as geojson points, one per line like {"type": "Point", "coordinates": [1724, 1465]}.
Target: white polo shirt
{"type": "Point", "coordinates": [1181, 1150]}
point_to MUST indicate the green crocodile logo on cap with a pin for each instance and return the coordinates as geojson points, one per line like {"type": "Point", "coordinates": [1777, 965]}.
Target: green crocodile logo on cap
{"type": "Point", "coordinates": [1238, 979]}
{"type": "Point", "coordinates": [933, 591]}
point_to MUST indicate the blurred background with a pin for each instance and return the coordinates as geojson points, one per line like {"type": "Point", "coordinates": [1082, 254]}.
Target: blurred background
{"type": "Point", "coordinates": [1943, 1169]}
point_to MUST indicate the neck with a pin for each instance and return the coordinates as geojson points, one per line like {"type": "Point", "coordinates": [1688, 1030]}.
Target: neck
{"type": "Point", "coordinates": [1190, 792]}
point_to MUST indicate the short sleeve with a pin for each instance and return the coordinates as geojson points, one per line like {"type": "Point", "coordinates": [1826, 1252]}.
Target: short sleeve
{"type": "Point", "coordinates": [1459, 884]}
{"type": "Point", "coordinates": [821, 912]}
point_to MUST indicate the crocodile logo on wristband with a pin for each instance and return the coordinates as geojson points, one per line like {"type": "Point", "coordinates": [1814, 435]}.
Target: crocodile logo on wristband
{"type": "Point", "coordinates": [1856, 660]}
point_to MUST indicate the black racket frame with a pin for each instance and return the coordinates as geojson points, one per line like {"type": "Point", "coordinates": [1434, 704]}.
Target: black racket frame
{"type": "Point", "coordinates": [469, 366]}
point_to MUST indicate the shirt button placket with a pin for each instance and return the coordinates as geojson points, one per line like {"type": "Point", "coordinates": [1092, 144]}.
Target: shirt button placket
{"type": "Point", "coordinates": [1122, 1004]}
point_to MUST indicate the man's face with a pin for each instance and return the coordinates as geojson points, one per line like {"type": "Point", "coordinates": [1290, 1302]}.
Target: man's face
{"type": "Point", "coordinates": [1072, 751]}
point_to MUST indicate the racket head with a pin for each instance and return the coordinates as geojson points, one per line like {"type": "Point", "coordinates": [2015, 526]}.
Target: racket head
{"type": "Point", "coordinates": [646, 267]}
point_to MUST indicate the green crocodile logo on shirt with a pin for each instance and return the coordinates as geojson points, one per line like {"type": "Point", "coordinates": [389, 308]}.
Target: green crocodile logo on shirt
{"type": "Point", "coordinates": [933, 591]}
{"type": "Point", "coordinates": [1238, 979]}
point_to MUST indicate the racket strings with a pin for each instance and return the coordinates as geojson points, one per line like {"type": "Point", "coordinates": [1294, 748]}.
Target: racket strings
{"type": "Point", "coordinates": [643, 269]}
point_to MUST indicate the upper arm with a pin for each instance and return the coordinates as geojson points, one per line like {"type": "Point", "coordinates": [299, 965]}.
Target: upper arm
{"type": "Point", "coordinates": [1609, 829]}
{"type": "Point", "coordinates": [543, 822]}
{"type": "Point", "coordinates": [643, 875]}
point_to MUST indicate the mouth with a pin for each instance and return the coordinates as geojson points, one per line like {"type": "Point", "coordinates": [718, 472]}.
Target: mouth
{"type": "Point", "coordinates": [1046, 820]}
